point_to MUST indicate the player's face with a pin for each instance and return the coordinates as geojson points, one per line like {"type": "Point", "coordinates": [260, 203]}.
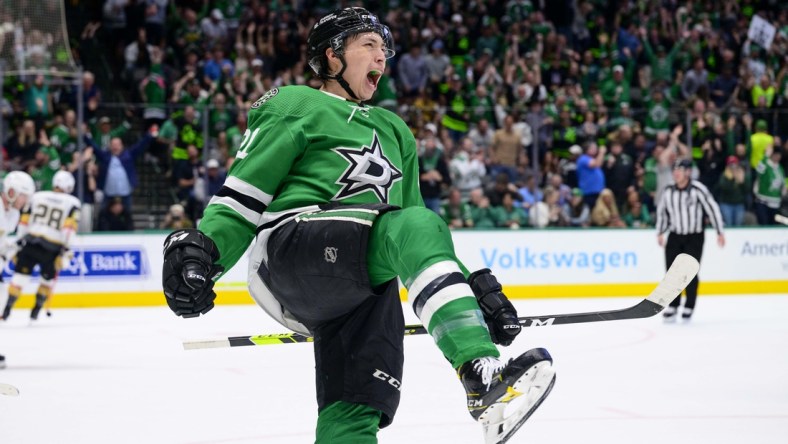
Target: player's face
{"type": "Point", "coordinates": [21, 201]}
{"type": "Point", "coordinates": [366, 61]}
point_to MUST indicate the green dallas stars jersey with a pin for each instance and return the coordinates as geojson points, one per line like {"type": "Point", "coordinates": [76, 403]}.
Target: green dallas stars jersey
{"type": "Point", "coordinates": [305, 147]}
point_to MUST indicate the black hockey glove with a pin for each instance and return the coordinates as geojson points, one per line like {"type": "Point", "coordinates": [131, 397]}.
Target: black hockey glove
{"type": "Point", "coordinates": [499, 313]}
{"type": "Point", "coordinates": [189, 269]}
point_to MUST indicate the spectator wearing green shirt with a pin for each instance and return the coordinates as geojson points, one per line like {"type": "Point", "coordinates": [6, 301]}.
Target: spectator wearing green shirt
{"type": "Point", "coordinates": [732, 190]}
{"type": "Point", "coordinates": [234, 137]}
{"type": "Point", "coordinates": [616, 89]}
{"type": "Point", "coordinates": [153, 90]}
{"type": "Point", "coordinates": [507, 215]}
{"type": "Point", "coordinates": [661, 61]}
{"type": "Point", "coordinates": [220, 118]}
{"type": "Point", "coordinates": [455, 212]}
{"type": "Point", "coordinates": [623, 118]}
{"type": "Point", "coordinates": [605, 70]}
{"type": "Point", "coordinates": [232, 11]}
{"type": "Point", "coordinates": [658, 114]}
{"type": "Point", "coordinates": [482, 213]}
{"type": "Point", "coordinates": [482, 105]}
{"type": "Point", "coordinates": [187, 91]}
{"type": "Point", "coordinates": [188, 34]}
{"type": "Point", "coordinates": [636, 215]}
{"type": "Point", "coordinates": [45, 164]}
{"type": "Point", "coordinates": [103, 131]}
{"type": "Point", "coordinates": [64, 136]}
{"type": "Point", "coordinates": [769, 186]}
{"type": "Point", "coordinates": [38, 99]}
{"type": "Point", "coordinates": [168, 134]}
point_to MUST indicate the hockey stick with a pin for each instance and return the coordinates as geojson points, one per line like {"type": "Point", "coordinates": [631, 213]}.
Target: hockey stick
{"type": "Point", "coordinates": [680, 273]}
{"type": "Point", "coordinates": [8, 390]}
{"type": "Point", "coordinates": [781, 219]}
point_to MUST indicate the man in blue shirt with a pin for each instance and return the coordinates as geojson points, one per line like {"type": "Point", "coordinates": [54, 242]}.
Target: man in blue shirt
{"type": "Point", "coordinates": [117, 171]}
{"type": "Point", "coordinates": [590, 178]}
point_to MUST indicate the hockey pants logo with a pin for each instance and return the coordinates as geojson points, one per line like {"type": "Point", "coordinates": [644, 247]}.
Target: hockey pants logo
{"type": "Point", "coordinates": [330, 254]}
{"type": "Point", "coordinates": [383, 376]}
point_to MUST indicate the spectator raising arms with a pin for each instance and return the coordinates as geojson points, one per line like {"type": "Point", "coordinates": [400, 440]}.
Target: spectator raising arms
{"type": "Point", "coordinates": [590, 177]}
{"type": "Point", "coordinates": [117, 168]}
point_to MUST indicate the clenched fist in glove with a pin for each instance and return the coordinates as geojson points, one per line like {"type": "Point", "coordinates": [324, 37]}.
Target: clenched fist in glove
{"type": "Point", "coordinates": [499, 313]}
{"type": "Point", "coordinates": [189, 269]}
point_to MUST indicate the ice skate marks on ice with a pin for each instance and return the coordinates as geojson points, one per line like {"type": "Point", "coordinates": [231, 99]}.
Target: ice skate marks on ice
{"type": "Point", "coordinates": [502, 420]}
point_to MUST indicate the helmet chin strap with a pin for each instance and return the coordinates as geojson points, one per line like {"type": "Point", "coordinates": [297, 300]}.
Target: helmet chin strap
{"type": "Point", "coordinates": [341, 80]}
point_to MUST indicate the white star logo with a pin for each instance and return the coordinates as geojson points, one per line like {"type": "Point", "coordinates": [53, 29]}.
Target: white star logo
{"type": "Point", "coordinates": [369, 170]}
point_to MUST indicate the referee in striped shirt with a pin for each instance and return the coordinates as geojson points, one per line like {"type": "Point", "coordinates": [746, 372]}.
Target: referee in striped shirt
{"type": "Point", "coordinates": [680, 211]}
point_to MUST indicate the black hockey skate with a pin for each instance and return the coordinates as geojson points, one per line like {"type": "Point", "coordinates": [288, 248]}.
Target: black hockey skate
{"type": "Point", "coordinates": [40, 300]}
{"type": "Point", "coordinates": [2, 361]}
{"type": "Point", "coordinates": [34, 312]}
{"type": "Point", "coordinates": [8, 306]}
{"type": "Point", "coordinates": [670, 313]}
{"type": "Point", "coordinates": [502, 396]}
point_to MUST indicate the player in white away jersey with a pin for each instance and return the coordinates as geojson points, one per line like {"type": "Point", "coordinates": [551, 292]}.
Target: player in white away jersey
{"type": "Point", "coordinates": [18, 188]}
{"type": "Point", "coordinates": [45, 231]}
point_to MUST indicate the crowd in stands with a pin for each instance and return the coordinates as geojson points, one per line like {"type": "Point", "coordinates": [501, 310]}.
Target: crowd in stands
{"type": "Point", "coordinates": [527, 113]}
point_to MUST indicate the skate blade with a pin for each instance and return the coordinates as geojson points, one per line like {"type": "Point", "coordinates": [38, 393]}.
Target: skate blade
{"type": "Point", "coordinates": [502, 420]}
{"type": "Point", "coordinates": [8, 390]}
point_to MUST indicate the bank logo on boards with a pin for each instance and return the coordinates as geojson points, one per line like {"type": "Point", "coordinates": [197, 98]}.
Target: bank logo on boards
{"type": "Point", "coordinates": [96, 262]}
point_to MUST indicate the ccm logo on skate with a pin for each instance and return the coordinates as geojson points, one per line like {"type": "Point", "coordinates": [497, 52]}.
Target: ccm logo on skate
{"type": "Point", "coordinates": [383, 376]}
{"type": "Point", "coordinates": [511, 327]}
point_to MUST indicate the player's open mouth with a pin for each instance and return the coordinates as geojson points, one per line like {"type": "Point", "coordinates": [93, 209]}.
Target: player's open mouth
{"type": "Point", "coordinates": [373, 77]}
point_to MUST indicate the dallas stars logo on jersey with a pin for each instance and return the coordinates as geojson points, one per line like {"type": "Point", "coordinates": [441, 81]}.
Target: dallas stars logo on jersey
{"type": "Point", "coordinates": [369, 170]}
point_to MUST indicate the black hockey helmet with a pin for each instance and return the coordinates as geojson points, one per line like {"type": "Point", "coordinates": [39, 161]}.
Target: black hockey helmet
{"type": "Point", "coordinates": [334, 29]}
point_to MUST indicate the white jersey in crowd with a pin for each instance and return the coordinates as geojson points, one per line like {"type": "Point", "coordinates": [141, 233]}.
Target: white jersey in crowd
{"type": "Point", "coordinates": [52, 216]}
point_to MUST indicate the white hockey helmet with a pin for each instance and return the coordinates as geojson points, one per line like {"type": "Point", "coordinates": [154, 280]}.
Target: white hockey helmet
{"type": "Point", "coordinates": [64, 180]}
{"type": "Point", "coordinates": [18, 183]}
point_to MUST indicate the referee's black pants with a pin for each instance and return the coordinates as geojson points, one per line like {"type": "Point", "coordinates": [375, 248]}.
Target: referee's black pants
{"type": "Point", "coordinates": [691, 244]}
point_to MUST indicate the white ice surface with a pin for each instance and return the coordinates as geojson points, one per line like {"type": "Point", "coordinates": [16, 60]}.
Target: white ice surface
{"type": "Point", "coordinates": [121, 376]}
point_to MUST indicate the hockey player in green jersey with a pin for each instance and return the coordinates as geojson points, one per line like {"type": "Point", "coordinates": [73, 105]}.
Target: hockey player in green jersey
{"type": "Point", "coordinates": [327, 187]}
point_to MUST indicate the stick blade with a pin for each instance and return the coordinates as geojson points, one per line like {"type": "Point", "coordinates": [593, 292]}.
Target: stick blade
{"type": "Point", "coordinates": [8, 390]}
{"type": "Point", "coordinates": [197, 345]}
{"type": "Point", "coordinates": [779, 218]}
{"type": "Point", "coordinates": [681, 272]}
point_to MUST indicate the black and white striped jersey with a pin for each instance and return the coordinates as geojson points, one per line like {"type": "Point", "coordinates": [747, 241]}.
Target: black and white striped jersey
{"type": "Point", "coordinates": [681, 211]}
